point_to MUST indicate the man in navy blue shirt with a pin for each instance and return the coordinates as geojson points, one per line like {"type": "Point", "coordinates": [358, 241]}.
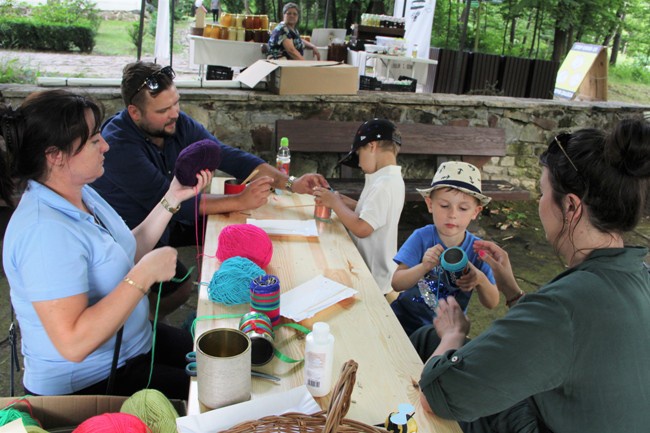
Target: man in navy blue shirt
{"type": "Point", "coordinates": [145, 140]}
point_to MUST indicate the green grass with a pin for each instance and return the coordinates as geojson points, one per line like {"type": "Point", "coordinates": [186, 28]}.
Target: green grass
{"type": "Point", "coordinates": [12, 72]}
{"type": "Point", "coordinates": [625, 91]}
{"type": "Point", "coordinates": [113, 38]}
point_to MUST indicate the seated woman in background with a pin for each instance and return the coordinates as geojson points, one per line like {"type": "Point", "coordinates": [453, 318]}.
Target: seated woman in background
{"type": "Point", "coordinates": [573, 356]}
{"type": "Point", "coordinates": [285, 41]}
{"type": "Point", "coordinates": [77, 273]}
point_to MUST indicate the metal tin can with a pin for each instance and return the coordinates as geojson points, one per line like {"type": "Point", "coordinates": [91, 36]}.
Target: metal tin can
{"type": "Point", "coordinates": [322, 213]}
{"type": "Point", "coordinates": [257, 326]}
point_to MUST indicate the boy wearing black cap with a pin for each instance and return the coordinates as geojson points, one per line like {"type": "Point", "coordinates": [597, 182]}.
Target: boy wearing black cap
{"type": "Point", "coordinates": [372, 221]}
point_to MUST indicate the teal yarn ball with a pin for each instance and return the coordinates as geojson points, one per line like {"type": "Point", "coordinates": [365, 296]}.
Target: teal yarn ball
{"type": "Point", "coordinates": [154, 409]}
{"type": "Point", "coordinates": [230, 284]}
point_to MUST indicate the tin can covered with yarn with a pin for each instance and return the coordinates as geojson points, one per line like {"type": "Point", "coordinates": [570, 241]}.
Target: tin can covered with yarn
{"type": "Point", "coordinates": [454, 262]}
{"type": "Point", "coordinates": [258, 327]}
{"type": "Point", "coordinates": [265, 297]}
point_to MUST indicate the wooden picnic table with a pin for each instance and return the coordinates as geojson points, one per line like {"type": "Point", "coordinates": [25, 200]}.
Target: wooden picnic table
{"type": "Point", "coordinates": [365, 327]}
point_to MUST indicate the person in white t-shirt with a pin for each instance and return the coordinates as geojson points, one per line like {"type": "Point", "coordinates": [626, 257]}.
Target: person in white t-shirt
{"type": "Point", "coordinates": [372, 221]}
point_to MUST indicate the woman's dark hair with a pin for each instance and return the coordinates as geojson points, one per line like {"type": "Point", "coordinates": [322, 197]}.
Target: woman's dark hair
{"type": "Point", "coordinates": [134, 76]}
{"type": "Point", "coordinates": [45, 122]}
{"type": "Point", "coordinates": [609, 172]}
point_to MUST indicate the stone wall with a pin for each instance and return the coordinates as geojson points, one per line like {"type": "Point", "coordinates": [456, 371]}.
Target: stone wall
{"type": "Point", "coordinates": [246, 119]}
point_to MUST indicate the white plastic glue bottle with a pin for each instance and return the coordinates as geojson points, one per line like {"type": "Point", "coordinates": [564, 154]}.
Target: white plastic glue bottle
{"type": "Point", "coordinates": [319, 354]}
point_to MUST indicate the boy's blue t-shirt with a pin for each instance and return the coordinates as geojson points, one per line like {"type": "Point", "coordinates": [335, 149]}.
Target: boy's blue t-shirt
{"type": "Point", "coordinates": [409, 307]}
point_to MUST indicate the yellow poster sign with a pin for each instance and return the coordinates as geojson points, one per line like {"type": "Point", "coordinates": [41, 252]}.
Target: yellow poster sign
{"type": "Point", "coordinates": [583, 73]}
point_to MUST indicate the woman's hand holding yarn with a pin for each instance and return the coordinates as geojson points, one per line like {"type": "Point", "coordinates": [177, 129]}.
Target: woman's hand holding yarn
{"type": "Point", "coordinates": [157, 265]}
{"type": "Point", "coordinates": [178, 193]}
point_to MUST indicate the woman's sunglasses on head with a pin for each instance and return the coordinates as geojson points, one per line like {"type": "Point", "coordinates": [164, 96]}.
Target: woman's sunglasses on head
{"type": "Point", "coordinates": [561, 141]}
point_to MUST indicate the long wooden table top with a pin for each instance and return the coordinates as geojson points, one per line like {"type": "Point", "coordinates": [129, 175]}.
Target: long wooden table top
{"type": "Point", "coordinates": [365, 327]}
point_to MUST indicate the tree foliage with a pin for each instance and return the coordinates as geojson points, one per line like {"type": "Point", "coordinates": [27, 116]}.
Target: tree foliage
{"type": "Point", "coordinates": [545, 29]}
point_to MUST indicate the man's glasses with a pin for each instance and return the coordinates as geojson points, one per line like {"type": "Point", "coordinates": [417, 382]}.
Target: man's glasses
{"type": "Point", "coordinates": [561, 141]}
{"type": "Point", "coordinates": [152, 80]}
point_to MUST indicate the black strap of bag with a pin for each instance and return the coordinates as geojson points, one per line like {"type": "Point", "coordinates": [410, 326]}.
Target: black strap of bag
{"type": "Point", "coordinates": [15, 362]}
{"type": "Point", "coordinates": [116, 356]}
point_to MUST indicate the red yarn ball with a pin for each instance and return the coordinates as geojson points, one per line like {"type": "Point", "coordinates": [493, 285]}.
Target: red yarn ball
{"type": "Point", "coordinates": [113, 423]}
{"type": "Point", "coordinates": [245, 240]}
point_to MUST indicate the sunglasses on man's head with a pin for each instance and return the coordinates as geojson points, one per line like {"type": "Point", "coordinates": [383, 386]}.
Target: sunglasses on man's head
{"type": "Point", "coordinates": [152, 80]}
{"type": "Point", "coordinates": [561, 141]}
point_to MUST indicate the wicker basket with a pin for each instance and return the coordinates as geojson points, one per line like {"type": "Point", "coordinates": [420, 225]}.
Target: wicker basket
{"type": "Point", "coordinates": [330, 421]}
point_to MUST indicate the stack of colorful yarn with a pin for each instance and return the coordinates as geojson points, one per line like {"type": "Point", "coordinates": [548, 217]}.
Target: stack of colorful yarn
{"type": "Point", "coordinates": [147, 411]}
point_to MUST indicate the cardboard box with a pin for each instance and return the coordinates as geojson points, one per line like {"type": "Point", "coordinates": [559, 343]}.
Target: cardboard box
{"type": "Point", "coordinates": [66, 412]}
{"type": "Point", "coordinates": [303, 77]}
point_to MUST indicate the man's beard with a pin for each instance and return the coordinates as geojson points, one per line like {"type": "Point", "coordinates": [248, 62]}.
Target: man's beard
{"type": "Point", "coordinates": [157, 133]}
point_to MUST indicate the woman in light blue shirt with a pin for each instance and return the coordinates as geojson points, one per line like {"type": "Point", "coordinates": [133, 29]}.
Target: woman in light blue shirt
{"type": "Point", "coordinates": [77, 273]}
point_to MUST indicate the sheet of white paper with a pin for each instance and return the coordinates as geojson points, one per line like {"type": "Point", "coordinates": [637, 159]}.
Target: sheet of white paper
{"type": "Point", "coordinates": [286, 227]}
{"type": "Point", "coordinates": [307, 299]}
{"type": "Point", "coordinates": [15, 426]}
{"type": "Point", "coordinates": [295, 400]}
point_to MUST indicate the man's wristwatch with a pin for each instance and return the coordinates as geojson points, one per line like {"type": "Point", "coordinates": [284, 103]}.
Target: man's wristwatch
{"type": "Point", "coordinates": [289, 185]}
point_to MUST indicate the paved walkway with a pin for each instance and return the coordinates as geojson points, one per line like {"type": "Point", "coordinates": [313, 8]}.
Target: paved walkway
{"type": "Point", "coordinates": [49, 64]}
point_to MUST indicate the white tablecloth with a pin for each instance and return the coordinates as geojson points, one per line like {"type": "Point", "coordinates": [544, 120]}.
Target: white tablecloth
{"type": "Point", "coordinates": [209, 51]}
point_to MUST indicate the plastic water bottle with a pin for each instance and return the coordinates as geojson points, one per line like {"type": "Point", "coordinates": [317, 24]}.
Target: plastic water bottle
{"type": "Point", "coordinates": [319, 354]}
{"type": "Point", "coordinates": [283, 159]}
{"type": "Point", "coordinates": [414, 51]}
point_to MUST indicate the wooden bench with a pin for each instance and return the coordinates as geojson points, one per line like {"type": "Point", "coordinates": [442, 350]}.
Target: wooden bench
{"type": "Point", "coordinates": [470, 144]}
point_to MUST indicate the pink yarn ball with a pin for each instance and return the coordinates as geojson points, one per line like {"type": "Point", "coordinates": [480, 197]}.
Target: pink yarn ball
{"type": "Point", "coordinates": [113, 423]}
{"type": "Point", "coordinates": [245, 240]}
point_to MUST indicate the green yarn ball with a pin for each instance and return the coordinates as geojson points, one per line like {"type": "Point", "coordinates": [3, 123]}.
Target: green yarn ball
{"type": "Point", "coordinates": [154, 409]}
{"type": "Point", "coordinates": [9, 414]}
{"type": "Point", "coordinates": [34, 429]}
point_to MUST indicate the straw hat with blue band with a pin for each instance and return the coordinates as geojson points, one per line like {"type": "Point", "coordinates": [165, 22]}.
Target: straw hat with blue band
{"type": "Point", "coordinates": [372, 130]}
{"type": "Point", "coordinates": [462, 176]}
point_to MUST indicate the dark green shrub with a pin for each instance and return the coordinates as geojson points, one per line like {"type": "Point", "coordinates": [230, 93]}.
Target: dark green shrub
{"type": "Point", "coordinates": [68, 12]}
{"type": "Point", "coordinates": [21, 33]}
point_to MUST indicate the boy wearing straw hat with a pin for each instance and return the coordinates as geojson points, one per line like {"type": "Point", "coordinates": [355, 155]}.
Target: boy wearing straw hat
{"type": "Point", "coordinates": [454, 200]}
{"type": "Point", "coordinates": [372, 221]}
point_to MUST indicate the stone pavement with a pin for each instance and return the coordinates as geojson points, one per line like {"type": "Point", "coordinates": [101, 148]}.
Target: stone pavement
{"type": "Point", "coordinates": [50, 64]}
